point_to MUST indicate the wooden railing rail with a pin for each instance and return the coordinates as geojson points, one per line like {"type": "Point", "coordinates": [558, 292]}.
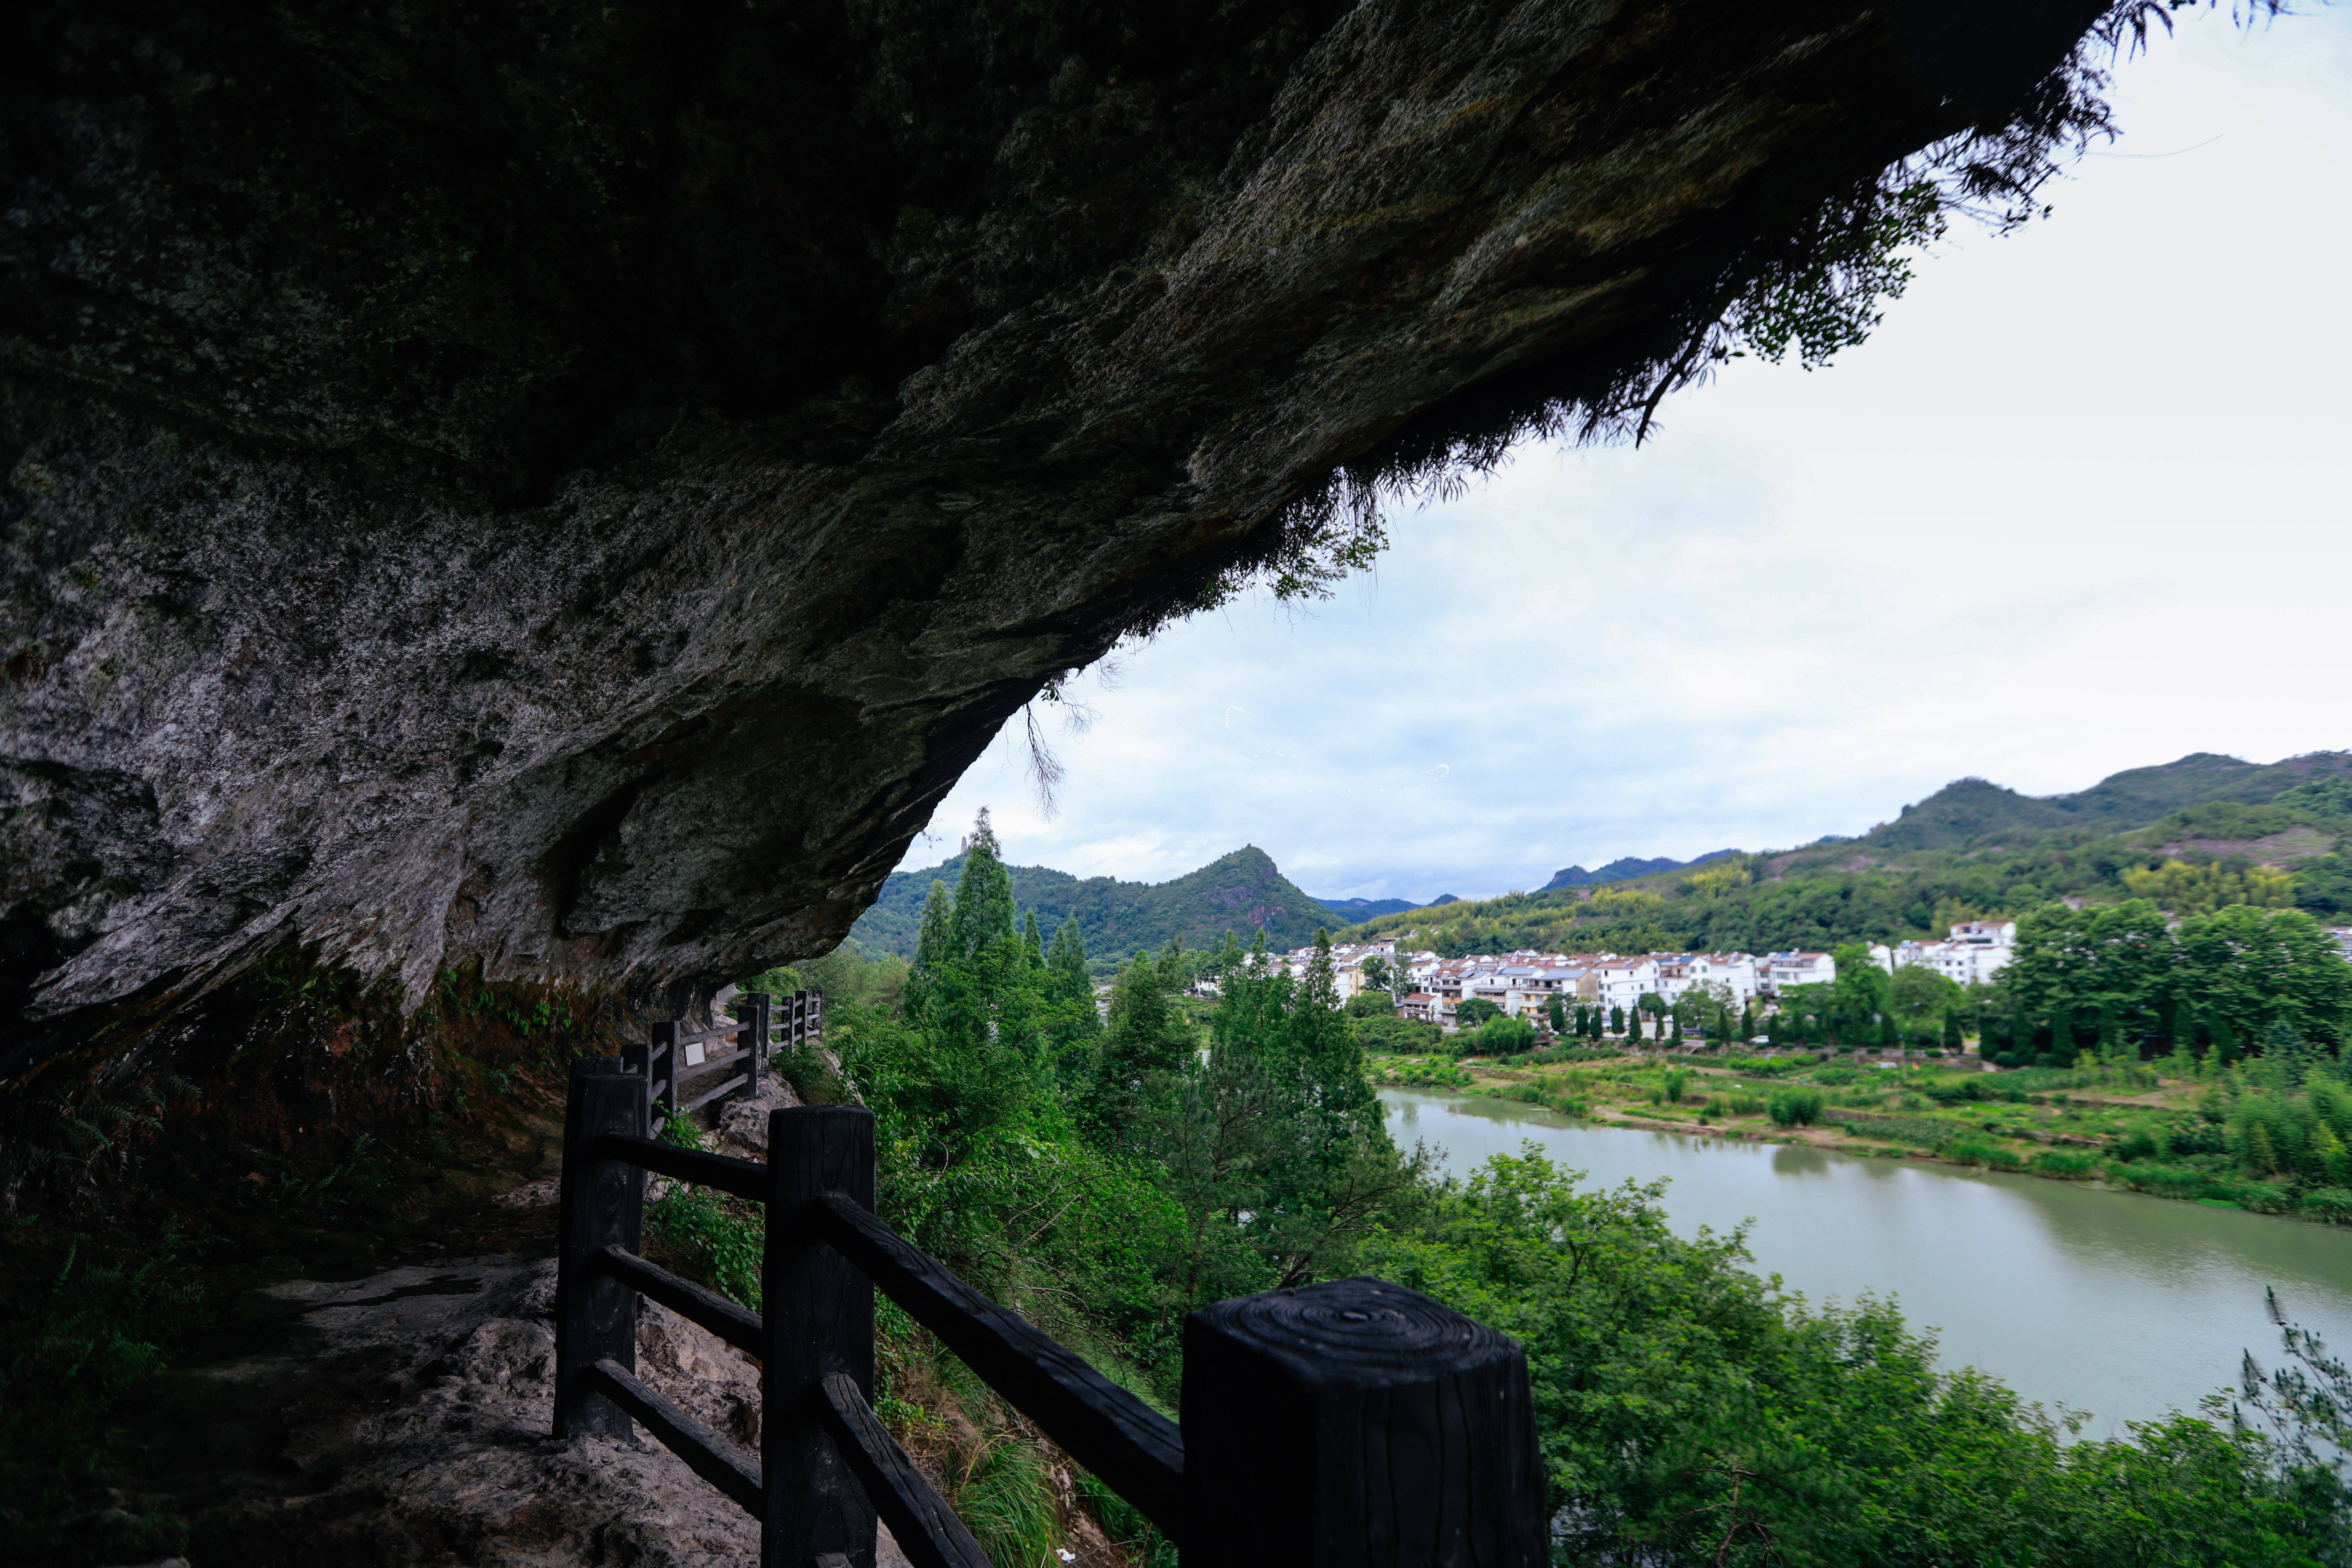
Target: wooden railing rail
{"type": "Point", "coordinates": [1352, 1423]}
{"type": "Point", "coordinates": [799, 1019]}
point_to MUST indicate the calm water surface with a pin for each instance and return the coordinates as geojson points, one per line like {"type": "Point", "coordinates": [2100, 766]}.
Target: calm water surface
{"type": "Point", "coordinates": [2111, 1302]}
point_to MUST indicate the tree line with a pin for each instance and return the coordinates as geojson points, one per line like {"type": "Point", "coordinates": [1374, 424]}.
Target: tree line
{"type": "Point", "coordinates": [1106, 1172]}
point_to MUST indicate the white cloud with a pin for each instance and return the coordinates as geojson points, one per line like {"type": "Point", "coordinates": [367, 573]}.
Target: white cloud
{"type": "Point", "coordinates": [2078, 505]}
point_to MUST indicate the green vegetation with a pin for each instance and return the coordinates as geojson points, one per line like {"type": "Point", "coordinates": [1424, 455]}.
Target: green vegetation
{"type": "Point", "coordinates": [1689, 1413]}
{"type": "Point", "coordinates": [2195, 835]}
{"type": "Point", "coordinates": [1242, 892]}
{"type": "Point", "coordinates": [1106, 1179]}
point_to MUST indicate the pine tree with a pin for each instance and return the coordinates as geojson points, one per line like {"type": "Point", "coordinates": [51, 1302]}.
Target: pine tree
{"type": "Point", "coordinates": [930, 951]}
{"type": "Point", "coordinates": [1175, 969]}
{"type": "Point", "coordinates": [1069, 985]}
{"type": "Point", "coordinates": [1033, 940]}
{"type": "Point", "coordinates": [1616, 1020]}
{"type": "Point", "coordinates": [1144, 1050]}
{"type": "Point", "coordinates": [1747, 1021]}
{"type": "Point", "coordinates": [984, 900]}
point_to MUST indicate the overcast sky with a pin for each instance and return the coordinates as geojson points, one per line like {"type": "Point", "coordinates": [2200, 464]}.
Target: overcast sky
{"type": "Point", "coordinates": [2078, 505]}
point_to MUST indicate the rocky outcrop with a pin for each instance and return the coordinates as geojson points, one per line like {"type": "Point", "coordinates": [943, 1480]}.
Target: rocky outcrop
{"type": "Point", "coordinates": [568, 492]}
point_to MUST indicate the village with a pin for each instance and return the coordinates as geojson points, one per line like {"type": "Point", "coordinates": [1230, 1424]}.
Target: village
{"type": "Point", "coordinates": [1524, 984]}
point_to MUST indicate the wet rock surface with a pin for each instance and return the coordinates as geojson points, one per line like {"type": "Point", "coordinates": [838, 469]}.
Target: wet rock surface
{"type": "Point", "coordinates": [568, 495]}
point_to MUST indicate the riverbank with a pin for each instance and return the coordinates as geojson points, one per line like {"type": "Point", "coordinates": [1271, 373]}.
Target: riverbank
{"type": "Point", "coordinates": [2130, 1127]}
{"type": "Point", "coordinates": [2094, 1298]}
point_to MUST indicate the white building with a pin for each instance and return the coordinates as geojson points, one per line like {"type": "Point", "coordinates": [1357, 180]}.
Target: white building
{"type": "Point", "coordinates": [1978, 951]}
{"type": "Point", "coordinates": [1776, 972]}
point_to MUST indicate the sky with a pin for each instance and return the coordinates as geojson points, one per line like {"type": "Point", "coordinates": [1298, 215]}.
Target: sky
{"type": "Point", "coordinates": [2079, 504]}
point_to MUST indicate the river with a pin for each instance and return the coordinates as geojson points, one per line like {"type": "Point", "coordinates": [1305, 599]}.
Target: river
{"type": "Point", "coordinates": [2109, 1302]}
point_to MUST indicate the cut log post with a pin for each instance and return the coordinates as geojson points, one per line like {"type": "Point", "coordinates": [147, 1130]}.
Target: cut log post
{"type": "Point", "coordinates": [602, 1204]}
{"type": "Point", "coordinates": [1356, 1425]}
{"type": "Point", "coordinates": [820, 1320]}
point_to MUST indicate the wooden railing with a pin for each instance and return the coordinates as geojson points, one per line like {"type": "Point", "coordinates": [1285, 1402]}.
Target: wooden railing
{"type": "Point", "coordinates": [663, 1059]}
{"type": "Point", "coordinates": [1355, 1423]}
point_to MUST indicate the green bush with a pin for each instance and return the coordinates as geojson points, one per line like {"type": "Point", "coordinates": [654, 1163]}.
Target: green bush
{"type": "Point", "coordinates": [2161, 1181]}
{"type": "Point", "coordinates": [2066, 1164]}
{"type": "Point", "coordinates": [2262, 1197]}
{"type": "Point", "coordinates": [2332, 1205]}
{"type": "Point", "coordinates": [1794, 1107]}
{"type": "Point", "coordinates": [720, 1239]}
{"type": "Point", "coordinates": [1397, 1036]}
{"type": "Point", "coordinates": [1993, 1156]}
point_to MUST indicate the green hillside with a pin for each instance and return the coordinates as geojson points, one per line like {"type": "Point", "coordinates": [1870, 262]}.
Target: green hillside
{"type": "Point", "coordinates": [1242, 892]}
{"type": "Point", "coordinates": [2190, 834]}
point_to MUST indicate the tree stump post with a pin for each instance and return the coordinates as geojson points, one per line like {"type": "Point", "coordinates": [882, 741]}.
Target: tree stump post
{"type": "Point", "coordinates": [601, 1204]}
{"type": "Point", "coordinates": [819, 1317]}
{"type": "Point", "coordinates": [1357, 1424]}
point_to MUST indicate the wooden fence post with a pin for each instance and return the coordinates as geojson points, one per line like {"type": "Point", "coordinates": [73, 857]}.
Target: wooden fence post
{"type": "Point", "coordinates": [601, 1204]}
{"type": "Point", "coordinates": [752, 1010]}
{"type": "Point", "coordinates": [668, 1065]}
{"type": "Point", "coordinates": [639, 1059]}
{"type": "Point", "coordinates": [819, 1315]}
{"type": "Point", "coordinates": [816, 1020]}
{"type": "Point", "coordinates": [1357, 1424]}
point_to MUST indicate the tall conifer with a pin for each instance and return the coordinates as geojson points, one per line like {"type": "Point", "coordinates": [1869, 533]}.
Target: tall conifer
{"type": "Point", "coordinates": [984, 900]}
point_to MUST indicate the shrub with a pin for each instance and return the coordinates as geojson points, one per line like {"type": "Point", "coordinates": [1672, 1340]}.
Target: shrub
{"type": "Point", "coordinates": [2065, 1164]}
{"type": "Point", "coordinates": [2161, 1181]}
{"type": "Point", "coordinates": [1794, 1107]}
{"type": "Point", "coordinates": [1993, 1156]}
{"type": "Point", "coordinates": [2332, 1205]}
{"type": "Point", "coordinates": [2262, 1197]}
{"type": "Point", "coordinates": [1678, 1083]}
{"type": "Point", "coordinates": [1397, 1036]}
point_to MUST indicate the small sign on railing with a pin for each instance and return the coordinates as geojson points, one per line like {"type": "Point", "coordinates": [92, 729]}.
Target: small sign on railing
{"type": "Point", "coordinates": [669, 1055]}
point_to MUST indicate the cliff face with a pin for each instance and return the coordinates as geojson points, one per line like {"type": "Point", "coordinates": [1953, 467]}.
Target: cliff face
{"type": "Point", "coordinates": [567, 489]}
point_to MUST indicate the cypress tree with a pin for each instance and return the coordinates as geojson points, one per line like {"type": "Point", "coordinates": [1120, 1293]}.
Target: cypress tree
{"type": "Point", "coordinates": [1950, 1040]}
{"type": "Point", "coordinates": [1033, 940]}
{"type": "Point", "coordinates": [1556, 1015]}
{"type": "Point", "coordinates": [1747, 1021]}
{"type": "Point", "coordinates": [1616, 1020]}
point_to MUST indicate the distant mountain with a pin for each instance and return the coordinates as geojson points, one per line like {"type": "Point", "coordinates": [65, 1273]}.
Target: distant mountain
{"type": "Point", "coordinates": [1971, 849]}
{"type": "Point", "coordinates": [1242, 892]}
{"type": "Point", "coordinates": [1365, 908]}
{"type": "Point", "coordinates": [1623, 869]}
{"type": "Point", "coordinates": [1971, 813]}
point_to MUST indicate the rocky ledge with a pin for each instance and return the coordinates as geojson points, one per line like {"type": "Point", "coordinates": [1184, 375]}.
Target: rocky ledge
{"type": "Point", "coordinates": [568, 494]}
